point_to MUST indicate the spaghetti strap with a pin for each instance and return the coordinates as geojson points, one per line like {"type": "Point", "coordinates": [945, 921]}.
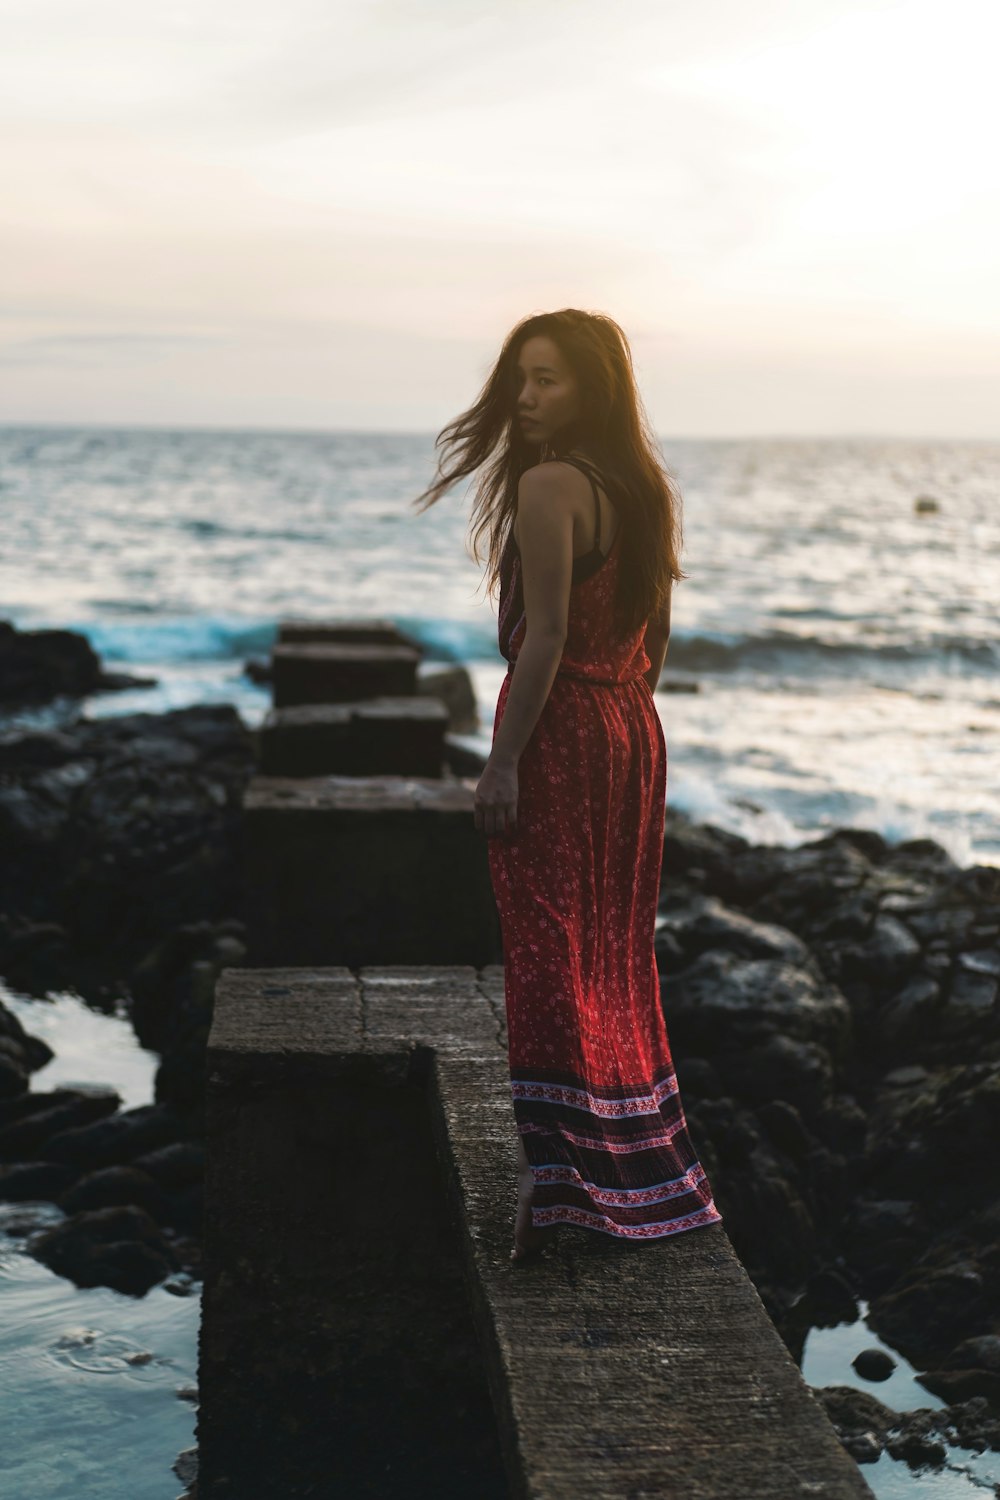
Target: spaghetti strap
{"type": "Point", "coordinates": [585, 468]}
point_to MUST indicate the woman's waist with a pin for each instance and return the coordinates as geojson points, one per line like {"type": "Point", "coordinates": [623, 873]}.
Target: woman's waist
{"type": "Point", "coordinates": [596, 675]}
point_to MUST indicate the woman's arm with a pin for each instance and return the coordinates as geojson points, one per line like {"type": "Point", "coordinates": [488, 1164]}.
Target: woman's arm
{"type": "Point", "coordinates": [657, 640]}
{"type": "Point", "coordinates": [545, 509]}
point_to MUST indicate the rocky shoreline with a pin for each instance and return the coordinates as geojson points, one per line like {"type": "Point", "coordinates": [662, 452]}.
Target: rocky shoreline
{"type": "Point", "coordinates": [834, 1018]}
{"type": "Point", "coordinates": [833, 1010]}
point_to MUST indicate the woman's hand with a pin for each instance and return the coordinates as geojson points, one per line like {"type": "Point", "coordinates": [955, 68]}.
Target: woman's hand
{"type": "Point", "coordinates": [495, 804]}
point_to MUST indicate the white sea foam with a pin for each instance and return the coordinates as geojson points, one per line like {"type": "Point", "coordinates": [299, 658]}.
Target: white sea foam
{"type": "Point", "coordinates": [847, 648]}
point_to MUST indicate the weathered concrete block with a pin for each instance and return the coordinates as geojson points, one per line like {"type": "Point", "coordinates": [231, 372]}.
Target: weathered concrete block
{"type": "Point", "coordinates": [355, 869]}
{"type": "Point", "coordinates": [453, 685]}
{"type": "Point", "coordinates": [295, 632]}
{"type": "Point", "coordinates": [337, 1354]}
{"type": "Point", "coordinates": [336, 1348]}
{"type": "Point", "coordinates": [464, 758]}
{"type": "Point", "coordinates": [331, 672]}
{"type": "Point", "coordinates": [374, 737]}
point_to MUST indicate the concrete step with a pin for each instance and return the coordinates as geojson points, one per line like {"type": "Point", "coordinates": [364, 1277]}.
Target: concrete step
{"type": "Point", "coordinates": [359, 869]}
{"type": "Point", "coordinates": [625, 1370]}
{"type": "Point", "coordinates": [340, 672]}
{"type": "Point", "coordinates": [344, 631]}
{"type": "Point", "coordinates": [452, 684]}
{"type": "Point", "coordinates": [338, 1354]}
{"type": "Point", "coordinates": [373, 736]}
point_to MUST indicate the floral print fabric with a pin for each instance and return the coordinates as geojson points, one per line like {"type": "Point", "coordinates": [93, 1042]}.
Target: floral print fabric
{"type": "Point", "coordinates": [577, 883]}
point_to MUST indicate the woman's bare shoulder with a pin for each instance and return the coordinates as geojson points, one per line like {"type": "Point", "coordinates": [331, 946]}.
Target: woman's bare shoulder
{"type": "Point", "coordinates": [546, 484]}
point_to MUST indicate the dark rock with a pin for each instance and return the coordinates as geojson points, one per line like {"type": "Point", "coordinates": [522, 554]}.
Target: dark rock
{"type": "Point", "coordinates": [114, 1186]}
{"type": "Point", "coordinates": [971, 1369]}
{"type": "Point", "coordinates": [119, 1247]}
{"type": "Point", "coordinates": [959, 1385]}
{"type": "Point", "coordinates": [38, 665]}
{"type": "Point", "coordinates": [173, 985]}
{"type": "Point", "coordinates": [941, 920]}
{"type": "Point", "coordinates": [917, 1449]}
{"type": "Point", "coordinates": [136, 832]}
{"type": "Point", "coordinates": [886, 957]}
{"type": "Point", "coordinates": [32, 1104]}
{"type": "Point", "coordinates": [698, 1078]}
{"type": "Point", "coordinates": [180, 1078]}
{"type": "Point", "coordinates": [27, 1180]}
{"type": "Point", "coordinates": [970, 1423]}
{"type": "Point", "coordinates": [187, 1209]}
{"type": "Point", "coordinates": [921, 857]}
{"type": "Point", "coordinates": [913, 1436]}
{"type": "Point", "coordinates": [801, 1073]}
{"type": "Point", "coordinates": [29, 1136]}
{"type": "Point", "coordinates": [881, 1238]}
{"type": "Point", "coordinates": [258, 669]}
{"type": "Point", "coordinates": [119, 682]}
{"type": "Point", "coordinates": [705, 923]}
{"type": "Point", "coordinates": [938, 1133]}
{"type": "Point", "coordinates": [747, 1000]}
{"type": "Point", "coordinates": [216, 729]}
{"type": "Point", "coordinates": [688, 846]}
{"type": "Point", "coordinates": [901, 1078]}
{"type": "Point", "coordinates": [846, 927]}
{"type": "Point", "coordinates": [864, 1447]}
{"type": "Point", "coordinates": [766, 1219]}
{"type": "Point", "coordinates": [175, 1166]}
{"type": "Point", "coordinates": [784, 1127]}
{"type": "Point", "coordinates": [830, 1299]}
{"type": "Point", "coordinates": [826, 1187]}
{"type": "Point", "coordinates": [119, 1139]}
{"type": "Point", "coordinates": [865, 841]}
{"type": "Point", "coordinates": [910, 1015]}
{"type": "Point", "coordinates": [971, 998]}
{"type": "Point", "coordinates": [769, 1224]}
{"type": "Point", "coordinates": [842, 1124]}
{"type": "Point", "coordinates": [813, 889]}
{"type": "Point", "coordinates": [13, 1078]}
{"type": "Point", "coordinates": [669, 953]}
{"type": "Point", "coordinates": [874, 1364]}
{"type": "Point", "coordinates": [23, 820]}
{"type": "Point", "coordinates": [928, 1308]}
{"type": "Point", "coordinates": [979, 1353]}
{"type": "Point", "coordinates": [861, 1421]}
{"type": "Point", "coordinates": [35, 749]}
{"type": "Point", "coordinates": [982, 961]}
{"type": "Point", "coordinates": [36, 957]}
{"type": "Point", "coordinates": [28, 1052]}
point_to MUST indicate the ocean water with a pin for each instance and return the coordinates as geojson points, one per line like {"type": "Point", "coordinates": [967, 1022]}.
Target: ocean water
{"type": "Point", "coordinates": [846, 648]}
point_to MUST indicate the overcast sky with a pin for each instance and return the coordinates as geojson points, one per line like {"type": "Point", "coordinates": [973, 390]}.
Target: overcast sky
{"type": "Point", "coordinates": [318, 214]}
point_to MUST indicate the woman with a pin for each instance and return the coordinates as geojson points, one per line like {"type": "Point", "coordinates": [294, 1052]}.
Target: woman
{"type": "Point", "coordinates": [583, 528]}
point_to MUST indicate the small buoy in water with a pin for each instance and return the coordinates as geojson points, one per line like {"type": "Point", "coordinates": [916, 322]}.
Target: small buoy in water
{"type": "Point", "coordinates": [925, 504]}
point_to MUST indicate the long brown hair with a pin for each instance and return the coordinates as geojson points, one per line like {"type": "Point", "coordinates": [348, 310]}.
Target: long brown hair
{"type": "Point", "coordinates": [613, 429]}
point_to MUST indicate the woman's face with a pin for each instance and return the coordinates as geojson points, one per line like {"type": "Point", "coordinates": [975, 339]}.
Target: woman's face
{"type": "Point", "coordinates": [547, 394]}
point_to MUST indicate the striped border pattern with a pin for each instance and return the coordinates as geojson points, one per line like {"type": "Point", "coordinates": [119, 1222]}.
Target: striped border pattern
{"type": "Point", "coordinates": [617, 1159]}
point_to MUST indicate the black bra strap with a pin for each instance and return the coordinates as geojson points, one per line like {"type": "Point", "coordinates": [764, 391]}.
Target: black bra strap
{"type": "Point", "coordinates": [584, 467]}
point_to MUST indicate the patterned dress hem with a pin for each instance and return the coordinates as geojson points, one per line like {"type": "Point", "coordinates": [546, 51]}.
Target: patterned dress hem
{"type": "Point", "coordinates": [542, 1217]}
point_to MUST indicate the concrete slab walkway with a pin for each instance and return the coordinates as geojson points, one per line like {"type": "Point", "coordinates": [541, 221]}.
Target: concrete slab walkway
{"type": "Point", "coordinates": [616, 1372]}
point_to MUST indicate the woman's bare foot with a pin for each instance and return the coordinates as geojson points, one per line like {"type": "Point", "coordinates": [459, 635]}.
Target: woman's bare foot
{"type": "Point", "coordinates": [528, 1241]}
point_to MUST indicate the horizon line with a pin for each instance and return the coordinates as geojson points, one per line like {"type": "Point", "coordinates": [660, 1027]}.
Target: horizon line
{"type": "Point", "coordinates": [720, 437]}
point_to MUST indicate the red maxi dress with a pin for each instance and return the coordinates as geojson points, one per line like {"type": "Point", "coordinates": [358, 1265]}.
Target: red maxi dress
{"type": "Point", "coordinates": [577, 883]}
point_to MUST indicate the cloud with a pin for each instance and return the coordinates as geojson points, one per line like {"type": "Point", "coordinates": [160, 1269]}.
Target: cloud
{"type": "Point", "coordinates": [229, 206]}
{"type": "Point", "coordinates": [78, 349]}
